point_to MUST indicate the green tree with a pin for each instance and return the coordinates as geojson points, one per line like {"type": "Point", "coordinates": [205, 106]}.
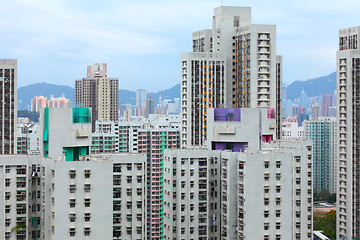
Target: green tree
{"type": "Point", "coordinates": [326, 222]}
{"type": "Point", "coordinates": [331, 198]}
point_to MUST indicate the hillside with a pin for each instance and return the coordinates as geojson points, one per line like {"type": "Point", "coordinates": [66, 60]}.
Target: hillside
{"type": "Point", "coordinates": [45, 89]}
{"type": "Point", "coordinates": [312, 87]}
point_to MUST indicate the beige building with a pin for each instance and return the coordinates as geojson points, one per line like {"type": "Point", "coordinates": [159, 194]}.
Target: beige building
{"type": "Point", "coordinates": [99, 92]}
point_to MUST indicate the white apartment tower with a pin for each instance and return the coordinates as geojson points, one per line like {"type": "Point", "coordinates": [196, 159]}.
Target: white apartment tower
{"type": "Point", "coordinates": [141, 98]}
{"type": "Point", "coordinates": [101, 197]}
{"type": "Point", "coordinates": [234, 64]}
{"type": "Point", "coordinates": [265, 194]}
{"type": "Point", "coordinates": [8, 106]}
{"type": "Point", "coordinates": [348, 99]}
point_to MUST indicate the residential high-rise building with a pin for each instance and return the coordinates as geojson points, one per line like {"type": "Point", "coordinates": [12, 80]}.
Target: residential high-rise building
{"type": "Point", "coordinates": [323, 133]}
{"type": "Point", "coordinates": [102, 197]}
{"type": "Point", "coordinates": [99, 92]}
{"type": "Point", "coordinates": [8, 105]}
{"type": "Point", "coordinates": [315, 112]}
{"type": "Point", "coordinates": [234, 64]}
{"type": "Point", "coordinates": [348, 113]}
{"type": "Point", "coordinates": [244, 186]}
{"type": "Point", "coordinates": [292, 131]}
{"type": "Point", "coordinates": [326, 104]}
{"type": "Point", "coordinates": [38, 102]}
{"type": "Point", "coordinates": [141, 98]}
{"type": "Point", "coordinates": [149, 138]}
{"type": "Point", "coordinates": [303, 98]}
{"type": "Point", "coordinates": [150, 107]}
{"type": "Point", "coordinates": [66, 132]}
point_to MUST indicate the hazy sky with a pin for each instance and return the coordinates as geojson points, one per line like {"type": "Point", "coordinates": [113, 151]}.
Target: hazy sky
{"type": "Point", "coordinates": [142, 40]}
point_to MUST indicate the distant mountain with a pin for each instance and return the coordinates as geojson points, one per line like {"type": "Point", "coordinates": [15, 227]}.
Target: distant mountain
{"type": "Point", "coordinates": [312, 87]}
{"type": "Point", "coordinates": [45, 89]}
{"type": "Point", "coordinates": [127, 96]}
{"type": "Point", "coordinates": [170, 93]}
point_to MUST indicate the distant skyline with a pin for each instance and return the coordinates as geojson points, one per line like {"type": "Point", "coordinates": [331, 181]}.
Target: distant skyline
{"type": "Point", "coordinates": [141, 41]}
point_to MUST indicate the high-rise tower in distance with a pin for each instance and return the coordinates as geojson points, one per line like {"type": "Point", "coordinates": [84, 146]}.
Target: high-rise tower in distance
{"type": "Point", "coordinates": [234, 64]}
{"type": "Point", "coordinates": [141, 98]}
{"type": "Point", "coordinates": [8, 105]}
{"type": "Point", "coordinates": [348, 102]}
{"type": "Point", "coordinates": [99, 92]}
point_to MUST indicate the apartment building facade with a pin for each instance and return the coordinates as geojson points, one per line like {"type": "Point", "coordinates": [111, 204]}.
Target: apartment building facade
{"type": "Point", "coordinates": [8, 106]}
{"type": "Point", "coordinates": [103, 196]}
{"type": "Point", "coordinates": [212, 194]}
{"type": "Point", "coordinates": [323, 133]}
{"type": "Point", "coordinates": [149, 138]}
{"type": "Point", "coordinates": [348, 114]}
{"type": "Point", "coordinates": [234, 64]}
{"type": "Point", "coordinates": [99, 92]}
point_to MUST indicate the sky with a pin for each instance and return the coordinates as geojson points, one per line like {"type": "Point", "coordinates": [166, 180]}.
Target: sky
{"type": "Point", "coordinates": [142, 40]}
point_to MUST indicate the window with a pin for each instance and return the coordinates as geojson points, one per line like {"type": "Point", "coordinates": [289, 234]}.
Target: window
{"type": "Point", "coordinates": [266, 177]}
{"type": "Point", "coordinates": [72, 203]}
{"type": "Point", "coordinates": [129, 167]}
{"type": "Point", "coordinates": [139, 191]}
{"type": "Point", "coordinates": [266, 201]}
{"type": "Point", "coordinates": [266, 189]}
{"type": "Point", "coordinates": [87, 217]}
{"type": "Point", "coordinates": [72, 217]}
{"type": "Point", "coordinates": [278, 201]}
{"type": "Point", "coordinates": [7, 222]}
{"type": "Point", "coordinates": [139, 166]}
{"type": "Point", "coordinates": [129, 179]}
{"type": "Point", "coordinates": [266, 214]}
{"type": "Point", "coordinates": [129, 192]}
{"type": "Point", "coordinates": [72, 232]}
{"type": "Point", "coordinates": [278, 176]}
{"type": "Point", "coordinates": [278, 164]}
{"type": "Point", "coordinates": [266, 164]}
{"type": "Point", "coordinates": [278, 213]}
{"type": "Point", "coordinates": [138, 217]}
{"type": "Point", "coordinates": [87, 187]}
{"type": "Point", "coordinates": [266, 226]}
{"type": "Point", "coordinates": [87, 231]}
{"type": "Point", "coordinates": [139, 179]}
{"type": "Point", "coordinates": [129, 218]}
{"type": "Point", "coordinates": [87, 173]}
{"type": "Point", "coordinates": [278, 225]}
{"type": "Point", "coordinates": [7, 182]}
{"type": "Point", "coordinates": [87, 202]}
{"type": "Point", "coordinates": [72, 174]}
{"type": "Point", "coordinates": [7, 195]}
{"type": "Point", "coordinates": [72, 188]}
{"type": "Point", "coordinates": [278, 189]}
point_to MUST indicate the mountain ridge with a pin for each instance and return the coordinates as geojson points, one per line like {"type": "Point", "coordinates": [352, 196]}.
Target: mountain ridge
{"type": "Point", "coordinates": [313, 87]}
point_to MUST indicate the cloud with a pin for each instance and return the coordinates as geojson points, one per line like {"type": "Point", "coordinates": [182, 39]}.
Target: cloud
{"type": "Point", "coordinates": [53, 28]}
